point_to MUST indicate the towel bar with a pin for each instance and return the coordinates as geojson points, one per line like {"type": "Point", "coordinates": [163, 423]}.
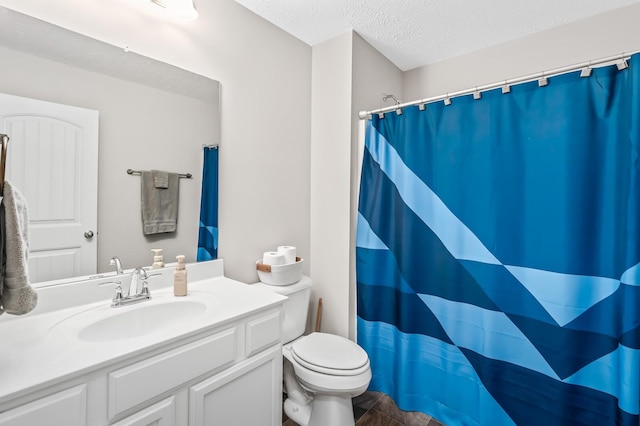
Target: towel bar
{"type": "Point", "coordinates": [137, 172]}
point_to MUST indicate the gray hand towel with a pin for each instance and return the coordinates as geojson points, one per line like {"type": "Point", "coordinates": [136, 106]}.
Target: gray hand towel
{"type": "Point", "coordinates": [159, 205]}
{"type": "Point", "coordinates": [17, 295]}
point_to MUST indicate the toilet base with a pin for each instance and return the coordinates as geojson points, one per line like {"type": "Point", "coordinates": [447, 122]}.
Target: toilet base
{"type": "Point", "coordinates": [309, 408]}
{"type": "Point", "coordinates": [331, 410]}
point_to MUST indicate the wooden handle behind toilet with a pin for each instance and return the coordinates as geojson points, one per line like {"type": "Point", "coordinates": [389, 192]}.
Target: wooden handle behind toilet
{"type": "Point", "coordinates": [319, 316]}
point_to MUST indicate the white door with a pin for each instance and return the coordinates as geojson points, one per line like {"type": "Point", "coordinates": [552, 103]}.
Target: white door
{"type": "Point", "coordinates": [53, 161]}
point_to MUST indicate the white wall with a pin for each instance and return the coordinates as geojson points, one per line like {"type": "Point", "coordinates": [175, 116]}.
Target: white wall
{"type": "Point", "coordinates": [330, 177]}
{"type": "Point", "coordinates": [348, 75]}
{"type": "Point", "coordinates": [597, 37]}
{"type": "Point", "coordinates": [266, 108]}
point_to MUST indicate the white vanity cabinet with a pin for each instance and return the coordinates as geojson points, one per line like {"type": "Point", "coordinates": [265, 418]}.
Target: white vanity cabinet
{"type": "Point", "coordinates": [249, 393]}
{"type": "Point", "coordinates": [229, 375]}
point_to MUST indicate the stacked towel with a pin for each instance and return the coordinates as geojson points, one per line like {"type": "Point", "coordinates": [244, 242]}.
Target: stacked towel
{"type": "Point", "coordinates": [159, 193]}
{"type": "Point", "coordinates": [17, 295]}
{"type": "Point", "coordinates": [160, 179]}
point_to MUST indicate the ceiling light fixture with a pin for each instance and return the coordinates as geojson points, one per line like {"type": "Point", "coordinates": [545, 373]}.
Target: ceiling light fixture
{"type": "Point", "coordinates": [180, 9]}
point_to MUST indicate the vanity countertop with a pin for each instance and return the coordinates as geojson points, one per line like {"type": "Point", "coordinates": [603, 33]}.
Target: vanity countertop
{"type": "Point", "coordinates": [48, 348]}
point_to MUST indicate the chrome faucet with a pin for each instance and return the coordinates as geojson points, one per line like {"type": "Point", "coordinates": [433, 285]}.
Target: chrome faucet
{"type": "Point", "coordinates": [115, 260]}
{"type": "Point", "coordinates": [136, 291]}
{"type": "Point", "coordinates": [138, 283]}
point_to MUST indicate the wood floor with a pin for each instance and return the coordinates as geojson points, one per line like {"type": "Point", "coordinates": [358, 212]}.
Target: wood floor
{"type": "Point", "coordinates": [377, 409]}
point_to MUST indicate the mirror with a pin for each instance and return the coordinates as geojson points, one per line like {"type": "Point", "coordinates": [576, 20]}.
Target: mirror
{"type": "Point", "coordinates": [152, 115]}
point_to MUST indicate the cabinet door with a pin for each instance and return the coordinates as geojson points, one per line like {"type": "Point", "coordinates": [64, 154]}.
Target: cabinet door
{"type": "Point", "coordinates": [67, 408]}
{"type": "Point", "coordinates": [249, 393]}
{"type": "Point", "coordinates": [160, 414]}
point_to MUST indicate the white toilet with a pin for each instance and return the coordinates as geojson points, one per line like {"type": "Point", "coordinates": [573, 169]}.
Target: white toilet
{"type": "Point", "coordinates": [322, 372]}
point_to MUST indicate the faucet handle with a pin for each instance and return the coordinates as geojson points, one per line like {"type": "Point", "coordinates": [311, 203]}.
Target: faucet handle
{"type": "Point", "coordinates": [145, 290]}
{"type": "Point", "coordinates": [145, 285]}
{"type": "Point", "coordinates": [117, 298]}
{"type": "Point", "coordinates": [103, 283]}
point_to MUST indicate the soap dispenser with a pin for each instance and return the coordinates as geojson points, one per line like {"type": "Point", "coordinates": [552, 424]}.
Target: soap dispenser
{"type": "Point", "coordinates": [180, 278]}
{"type": "Point", "coordinates": [158, 260]}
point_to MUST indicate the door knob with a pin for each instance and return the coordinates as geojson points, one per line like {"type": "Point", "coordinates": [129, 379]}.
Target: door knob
{"type": "Point", "coordinates": [88, 234]}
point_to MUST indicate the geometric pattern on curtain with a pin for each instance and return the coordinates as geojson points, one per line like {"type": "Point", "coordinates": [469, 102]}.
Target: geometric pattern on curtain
{"type": "Point", "coordinates": [498, 254]}
{"type": "Point", "coordinates": [208, 230]}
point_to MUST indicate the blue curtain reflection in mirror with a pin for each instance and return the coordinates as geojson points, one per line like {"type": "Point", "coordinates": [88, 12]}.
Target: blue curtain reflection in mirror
{"type": "Point", "coordinates": [208, 232]}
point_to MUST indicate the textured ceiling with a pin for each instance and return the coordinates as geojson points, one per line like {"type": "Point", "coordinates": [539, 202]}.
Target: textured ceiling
{"type": "Point", "coordinates": [412, 33]}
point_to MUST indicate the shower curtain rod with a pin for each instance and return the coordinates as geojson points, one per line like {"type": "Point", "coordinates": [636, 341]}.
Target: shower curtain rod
{"type": "Point", "coordinates": [620, 60]}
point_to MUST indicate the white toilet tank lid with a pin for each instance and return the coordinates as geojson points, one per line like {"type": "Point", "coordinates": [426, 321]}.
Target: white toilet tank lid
{"type": "Point", "coordinates": [328, 351]}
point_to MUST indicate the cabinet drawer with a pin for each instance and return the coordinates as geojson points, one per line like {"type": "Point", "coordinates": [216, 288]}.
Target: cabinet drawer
{"type": "Point", "coordinates": [146, 379]}
{"type": "Point", "coordinates": [159, 414]}
{"type": "Point", "coordinates": [263, 332]}
{"type": "Point", "coordinates": [67, 408]}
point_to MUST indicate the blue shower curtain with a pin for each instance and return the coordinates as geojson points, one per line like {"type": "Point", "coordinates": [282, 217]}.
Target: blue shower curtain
{"type": "Point", "coordinates": [208, 233]}
{"type": "Point", "coordinates": [498, 254]}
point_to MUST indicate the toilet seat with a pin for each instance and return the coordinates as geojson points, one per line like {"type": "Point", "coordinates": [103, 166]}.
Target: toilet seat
{"type": "Point", "coordinates": [330, 354]}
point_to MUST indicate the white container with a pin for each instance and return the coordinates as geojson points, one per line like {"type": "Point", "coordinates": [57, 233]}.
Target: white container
{"type": "Point", "coordinates": [280, 274]}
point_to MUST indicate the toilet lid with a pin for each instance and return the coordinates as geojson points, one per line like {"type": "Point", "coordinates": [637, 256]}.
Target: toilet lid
{"type": "Point", "coordinates": [330, 354]}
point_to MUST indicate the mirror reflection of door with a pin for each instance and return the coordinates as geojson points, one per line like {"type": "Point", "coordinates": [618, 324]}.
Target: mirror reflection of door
{"type": "Point", "coordinates": [53, 161]}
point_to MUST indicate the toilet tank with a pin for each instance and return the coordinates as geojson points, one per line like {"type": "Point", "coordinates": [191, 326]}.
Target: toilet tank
{"type": "Point", "coordinates": [296, 307]}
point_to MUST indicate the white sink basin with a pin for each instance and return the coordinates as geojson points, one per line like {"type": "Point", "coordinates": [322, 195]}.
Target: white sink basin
{"type": "Point", "coordinates": [140, 320]}
{"type": "Point", "coordinates": [160, 314]}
